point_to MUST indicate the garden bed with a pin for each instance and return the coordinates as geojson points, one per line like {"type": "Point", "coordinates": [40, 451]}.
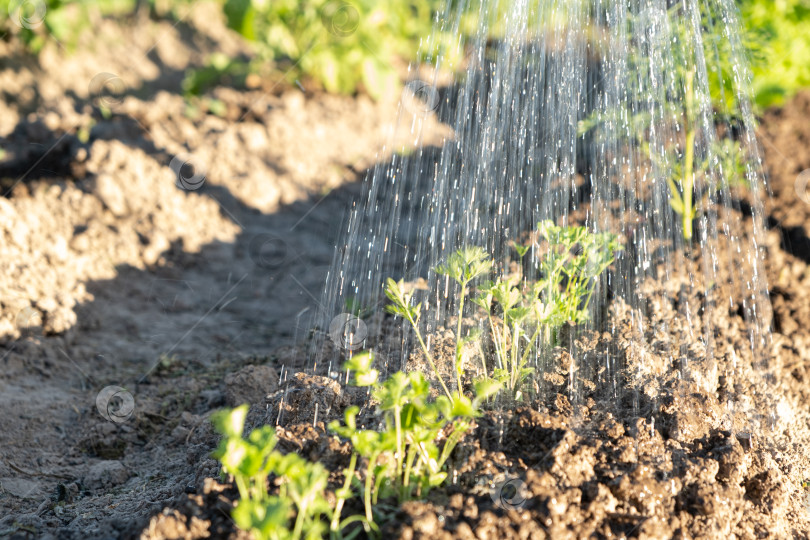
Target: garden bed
{"type": "Point", "coordinates": [113, 276]}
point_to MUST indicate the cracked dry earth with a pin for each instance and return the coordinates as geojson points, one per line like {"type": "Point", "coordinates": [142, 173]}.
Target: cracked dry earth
{"type": "Point", "coordinates": [193, 300]}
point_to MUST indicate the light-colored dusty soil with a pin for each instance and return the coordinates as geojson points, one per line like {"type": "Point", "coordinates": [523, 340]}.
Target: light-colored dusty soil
{"type": "Point", "coordinates": [112, 275]}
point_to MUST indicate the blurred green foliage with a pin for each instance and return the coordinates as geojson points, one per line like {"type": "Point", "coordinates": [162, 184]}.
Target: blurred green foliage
{"type": "Point", "coordinates": [339, 45]}
{"type": "Point", "coordinates": [35, 22]}
{"type": "Point", "coordinates": [345, 45]}
{"type": "Point", "coordinates": [348, 45]}
{"type": "Point", "coordinates": [780, 31]}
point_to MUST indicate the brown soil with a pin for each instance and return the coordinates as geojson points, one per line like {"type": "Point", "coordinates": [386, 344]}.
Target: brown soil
{"type": "Point", "coordinates": [193, 300]}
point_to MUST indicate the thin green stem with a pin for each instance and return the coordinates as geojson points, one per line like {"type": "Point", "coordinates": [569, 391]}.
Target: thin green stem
{"type": "Point", "coordinates": [378, 482]}
{"type": "Point", "coordinates": [367, 490]}
{"type": "Point", "coordinates": [406, 481]}
{"type": "Point", "coordinates": [299, 521]}
{"type": "Point", "coordinates": [458, 335]}
{"type": "Point", "coordinates": [505, 338]}
{"type": "Point", "coordinates": [593, 283]}
{"type": "Point", "coordinates": [429, 357]}
{"type": "Point", "coordinates": [357, 517]}
{"type": "Point", "coordinates": [458, 432]}
{"type": "Point", "coordinates": [590, 291]}
{"type": "Point", "coordinates": [689, 158]}
{"type": "Point", "coordinates": [347, 482]}
{"type": "Point", "coordinates": [497, 341]}
{"type": "Point", "coordinates": [525, 356]}
{"type": "Point", "coordinates": [425, 458]}
{"type": "Point", "coordinates": [514, 368]}
{"type": "Point", "coordinates": [244, 492]}
{"type": "Point", "coordinates": [398, 428]}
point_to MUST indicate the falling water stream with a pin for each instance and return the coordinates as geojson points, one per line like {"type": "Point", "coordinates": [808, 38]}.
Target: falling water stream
{"type": "Point", "coordinates": [582, 112]}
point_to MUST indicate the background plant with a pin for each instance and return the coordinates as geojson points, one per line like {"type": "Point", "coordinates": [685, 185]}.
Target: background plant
{"type": "Point", "coordinates": [524, 313]}
{"type": "Point", "coordinates": [781, 47]}
{"type": "Point", "coordinates": [340, 45]}
{"type": "Point", "coordinates": [667, 38]}
{"type": "Point", "coordinates": [388, 31]}
{"type": "Point", "coordinates": [34, 23]}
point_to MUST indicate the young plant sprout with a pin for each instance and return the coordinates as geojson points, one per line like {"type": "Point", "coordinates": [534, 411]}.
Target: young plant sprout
{"type": "Point", "coordinates": [401, 305]}
{"type": "Point", "coordinates": [681, 123]}
{"type": "Point", "coordinates": [530, 313]}
{"type": "Point", "coordinates": [681, 195]}
{"type": "Point", "coordinates": [463, 266]}
{"type": "Point", "coordinates": [251, 461]}
{"type": "Point", "coordinates": [523, 313]}
{"type": "Point", "coordinates": [403, 458]}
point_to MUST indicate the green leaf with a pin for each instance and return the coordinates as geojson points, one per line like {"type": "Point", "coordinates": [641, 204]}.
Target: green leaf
{"type": "Point", "coordinates": [350, 417]}
{"type": "Point", "coordinates": [266, 518]}
{"type": "Point", "coordinates": [463, 407]}
{"type": "Point", "coordinates": [344, 492]}
{"type": "Point", "coordinates": [434, 416]}
{"type": "Point", "coordinates": [400, 301]}
{"type": "Point", "coordinates": [486, 388]}
{"type": "Point", "coordinates": [392, 390]}
{"type": "Point", "coordinates": [263, 438]}
{"type": "Point", "coordinates": [484, 300]}
{"type": "Point", "coordinates": [505, 295]}
{"type": "Point", "coordinates": [59, 24]}
{"type": "Point", "coordinates": [367, 442]}
{"type": "Point", "coordinates": [549, 231]}
{"type": "Point", "coordinates": [419, 385]}
{"type": "Point", "coordinates": [230, 423]}
{"type": "Point", "coordinates": [409, 416]}
{"type": "Point", "coordinates": [465, 265]}
{"type": "Point", "coordinates": [240, 15]}
{"type": "Point", "coordinates": [436, 479]}
{"type": "Point", "coordinates": [348, 430]}
{"type": "Point", "coordinates": [233, 454]}
{"type": "Point", "coordinates": [250, 461]}
{"type": "Point", "coordinates": [368, 378]}
{"type": "Point", "coordinates": [501, 375]}
{"type": "Point", "coordinates": [518, 314]}
{"type": "Point", "coordinates": [329, 71]}
{"type": "Point", "coordinates": [360, 362]}
{"type": "Point", "coordinates": [521, 249]}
